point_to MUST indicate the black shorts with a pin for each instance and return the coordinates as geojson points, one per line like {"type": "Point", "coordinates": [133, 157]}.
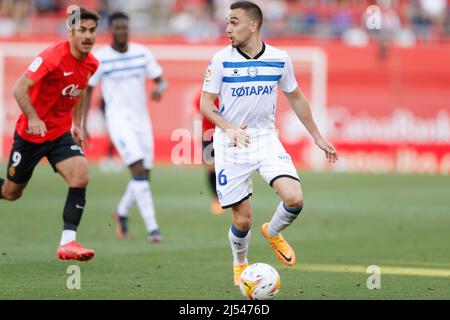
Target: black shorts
{"type": "Point", "coordinates": [26, 155]}
{"type": "Point", "coordinates": [208, 151]}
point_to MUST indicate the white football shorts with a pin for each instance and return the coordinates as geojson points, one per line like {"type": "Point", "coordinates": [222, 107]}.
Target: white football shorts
{"type": "Point", "coordinates": [133, 144]}
{"type": "Point", "coordinates": [234, 167]}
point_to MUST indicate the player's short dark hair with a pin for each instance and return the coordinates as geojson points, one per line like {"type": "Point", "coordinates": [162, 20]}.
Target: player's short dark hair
{"type": "Point", "coordinates": [252, 10]}
{"type": "Point", "coordinates": [116, 16]}
{"type": "Point", "coordinates": [84, 14]}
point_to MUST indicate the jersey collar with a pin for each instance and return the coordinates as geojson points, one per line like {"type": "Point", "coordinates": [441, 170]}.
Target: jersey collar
{"type": "Point", "coordinates": [246, 56]}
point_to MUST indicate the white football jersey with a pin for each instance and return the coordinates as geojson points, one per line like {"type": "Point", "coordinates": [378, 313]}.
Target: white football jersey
{"type": "Point", "coordinates": [247, 88]}
{"type": "Point", "coordinates": [122, 77]}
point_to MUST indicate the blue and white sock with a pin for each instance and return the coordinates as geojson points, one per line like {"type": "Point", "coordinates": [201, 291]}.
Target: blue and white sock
{"type": "Point", "coordinates": [282, 218]}
{"type": "Point", "coordinates": [239, 244]}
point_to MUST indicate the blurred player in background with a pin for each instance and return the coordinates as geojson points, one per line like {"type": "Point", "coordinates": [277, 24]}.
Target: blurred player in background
{"type": "Point", "coordinates": [208, 155]}
{"type": "Point", "coordinates": [49, 94]}
{"type": "Point", "coordinates": [111, 162]}
{"type": "Point", "coordinates": [245, 75]}
{"type": "Point", "coordinates": [124, 68]}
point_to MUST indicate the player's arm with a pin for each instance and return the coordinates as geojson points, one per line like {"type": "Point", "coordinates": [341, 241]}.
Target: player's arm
{"type": "Point", "coordinates": [77, 118]}
{"type": "Point", "coordinates": [301, 108]}
{"type": "Point", "coordinates": [235, 133]}
{"type": "Point", "coordinates": [21, 93]}
{"type": "Point", "coordinates": [161, 86]}
{"type": "Point", "coordinates": [85, 104]}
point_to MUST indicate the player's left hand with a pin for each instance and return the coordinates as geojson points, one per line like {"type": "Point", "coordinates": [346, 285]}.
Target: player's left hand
{"type": "Point", "coordinates": [330, 151]}
{"type": "Point", "coordinates": [156, 95]}
{"type": "Point", "coordinates": [78, 136]}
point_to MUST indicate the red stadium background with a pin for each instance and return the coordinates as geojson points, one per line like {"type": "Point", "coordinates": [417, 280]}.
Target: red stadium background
{"type": "Point", "coordinates": [385, 113]}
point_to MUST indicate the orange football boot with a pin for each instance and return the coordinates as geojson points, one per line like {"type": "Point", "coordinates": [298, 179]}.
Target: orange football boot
{"type": "Point", "coordinates": [237, 271]}
{"type": "Point", "coordinates": [281, 247]}
{"type": "Point", "coordinates": [74, 251]}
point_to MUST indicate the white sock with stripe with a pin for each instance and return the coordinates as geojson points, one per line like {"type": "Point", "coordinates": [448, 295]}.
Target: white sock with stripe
{"type": "Point", "coordinates": [282, 218]}
{"type": "Point", "coordinates": [239, 244]}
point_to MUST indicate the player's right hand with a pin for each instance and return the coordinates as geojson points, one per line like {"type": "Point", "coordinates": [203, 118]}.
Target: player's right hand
{"type": "Point", "coordinates": [36, 127]}
{"type": "Point", "coordinates": [330, 151]}
{"type": "Point", "coordinates": [238, 136]}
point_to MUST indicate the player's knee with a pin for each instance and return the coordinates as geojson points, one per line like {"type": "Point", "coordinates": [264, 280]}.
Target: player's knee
{"type": "Point", "coordinates": [243, 223]}
{"type": "Point", "coordinates": [80, 181]}
{"type": "Point", "coordinates": [138, 170]}
{"type": "Point", "coordinates": [11, 195]}
{"type": "Point", "coordinates": [294, 201]}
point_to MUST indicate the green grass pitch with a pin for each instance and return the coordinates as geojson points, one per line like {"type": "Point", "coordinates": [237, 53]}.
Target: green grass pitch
{"type": "Point", "coordinates": [350, 221]}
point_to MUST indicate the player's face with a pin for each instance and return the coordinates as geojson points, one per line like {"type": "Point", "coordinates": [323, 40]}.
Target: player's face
{"type": "Point", "coordinates": [119, 30]}
{"type": "Point", "coordinates": [240, 27]}
{"type": "Point", "coordinates": [83, 36]}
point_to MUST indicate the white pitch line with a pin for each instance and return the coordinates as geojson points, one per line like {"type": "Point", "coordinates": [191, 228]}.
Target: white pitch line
{"type": "Point", "coordinates": [401, 271]}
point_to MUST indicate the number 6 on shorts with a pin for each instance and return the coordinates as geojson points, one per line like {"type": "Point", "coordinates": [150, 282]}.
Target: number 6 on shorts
{"type": "Point", "coordinates": [222, 179]}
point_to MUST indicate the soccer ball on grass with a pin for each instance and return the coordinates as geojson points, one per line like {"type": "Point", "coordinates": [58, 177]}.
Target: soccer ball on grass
{"type": "Point", "coordinates": [259, 281]}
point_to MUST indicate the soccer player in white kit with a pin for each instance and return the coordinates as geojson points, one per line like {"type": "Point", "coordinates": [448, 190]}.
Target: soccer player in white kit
{"type": "Point", "coordinates": [124, 68]}
{"type": "Point", "coordinates": [245, 75]}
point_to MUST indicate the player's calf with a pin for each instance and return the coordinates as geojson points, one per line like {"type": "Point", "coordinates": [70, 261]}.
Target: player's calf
{"type": "Point", "coordinates": [242, 215]}
{"type": "Point", "coordinates": [74, 207]}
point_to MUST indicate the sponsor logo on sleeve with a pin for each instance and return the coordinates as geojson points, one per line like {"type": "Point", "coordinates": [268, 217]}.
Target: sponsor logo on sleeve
{"type": "Point", "coordinates": [208, 76]}
{"type": "Point", "coordinates": [34, 66]}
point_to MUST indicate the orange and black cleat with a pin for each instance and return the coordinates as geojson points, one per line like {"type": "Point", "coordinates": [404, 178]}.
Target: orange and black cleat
{"type": "Point", "coordinates": [237, 271]}
{"type": "Point", "coordinates": [281, 247]}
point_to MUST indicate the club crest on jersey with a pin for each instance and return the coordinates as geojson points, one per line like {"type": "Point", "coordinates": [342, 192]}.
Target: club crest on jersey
{"type": "Point", "coordinates": [252, 72]}
{"type": "Point", "coordinates": [71, 90]}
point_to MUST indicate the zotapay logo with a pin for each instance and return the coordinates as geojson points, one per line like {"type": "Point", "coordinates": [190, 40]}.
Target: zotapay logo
{"type": "Point", "coordinates": [250, 91]}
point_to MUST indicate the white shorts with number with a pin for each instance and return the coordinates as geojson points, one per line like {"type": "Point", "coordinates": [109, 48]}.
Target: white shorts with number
{"type": "Point", "coordinates": [234, 167]}
{"type": "Point", "coordinates": [133, 144]}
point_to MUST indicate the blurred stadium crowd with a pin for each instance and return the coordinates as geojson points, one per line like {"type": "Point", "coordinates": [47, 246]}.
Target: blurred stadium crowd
{"type": "Point", "coordinates": [404, 21]}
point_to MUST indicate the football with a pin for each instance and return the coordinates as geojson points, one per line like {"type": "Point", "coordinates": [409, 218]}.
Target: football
{"type": "Point", "coordinates": [260, 281]}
